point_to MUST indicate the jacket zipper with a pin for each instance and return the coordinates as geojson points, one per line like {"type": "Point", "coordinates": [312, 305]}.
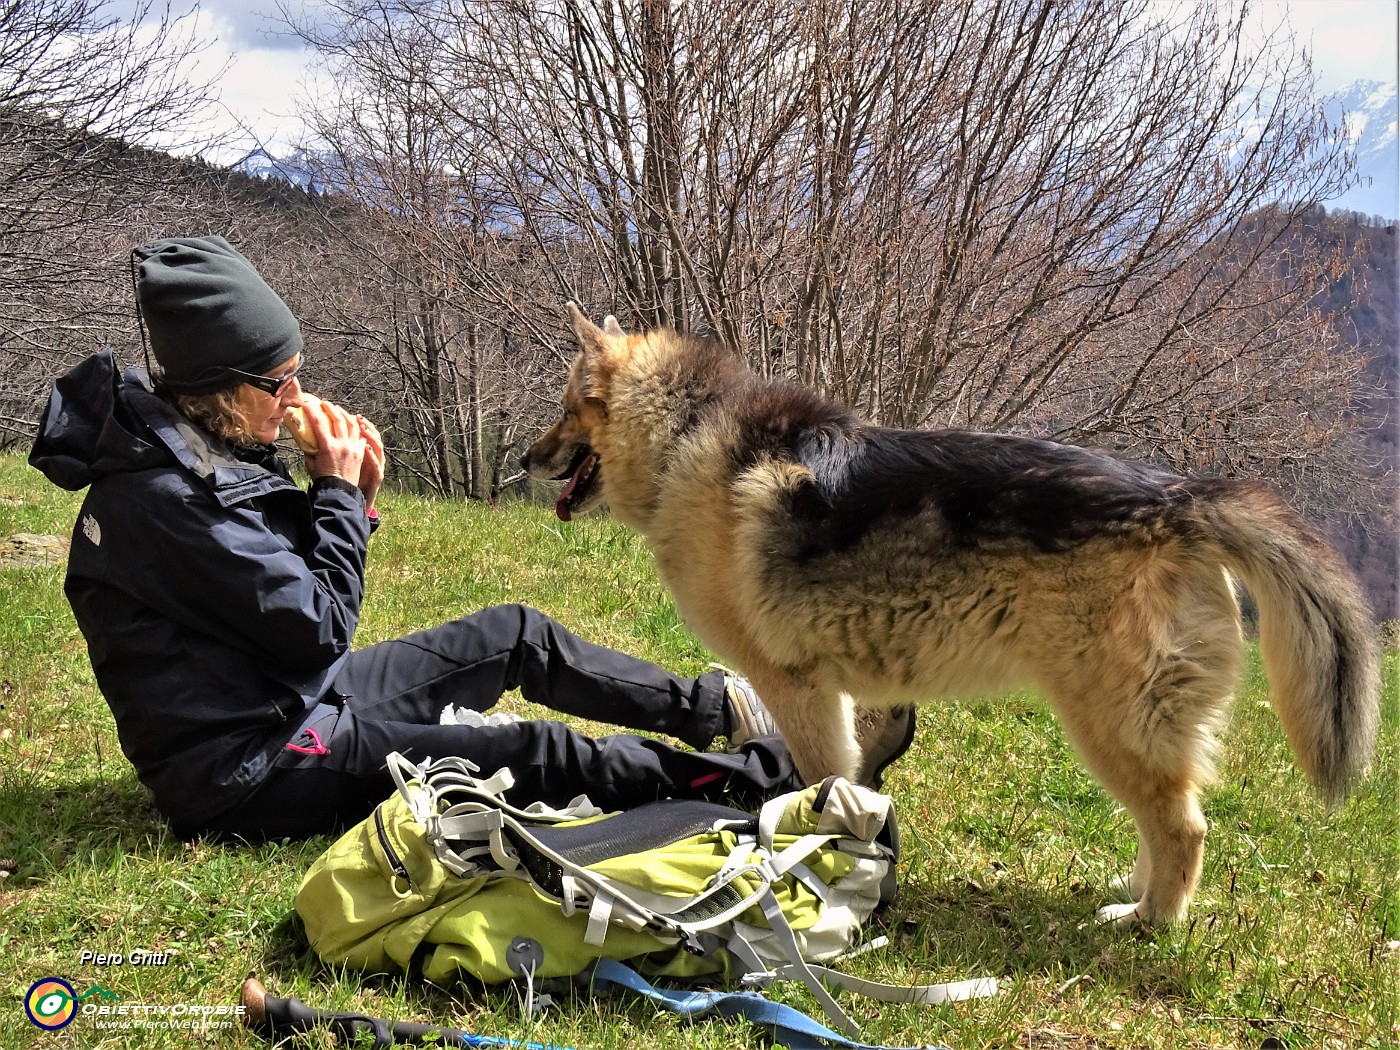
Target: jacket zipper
{"type": "Point", "coordinates": [393, 858]}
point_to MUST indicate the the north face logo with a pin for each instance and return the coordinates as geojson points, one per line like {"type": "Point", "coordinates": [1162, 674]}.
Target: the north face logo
{"type": "Point", "coordinates": [92, 530]}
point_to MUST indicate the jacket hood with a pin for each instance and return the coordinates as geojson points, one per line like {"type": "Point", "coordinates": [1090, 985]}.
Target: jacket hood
{"type": "Point", "coordinates": [100, 421]}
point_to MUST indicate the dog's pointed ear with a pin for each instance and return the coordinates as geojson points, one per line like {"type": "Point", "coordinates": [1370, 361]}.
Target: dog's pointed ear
{"type": "Point", "coordinates": [591, 338]}
{"type": "Point", "coordinates": [611, 326]}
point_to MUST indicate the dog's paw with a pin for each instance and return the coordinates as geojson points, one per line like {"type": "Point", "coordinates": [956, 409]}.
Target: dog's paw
{"type": "Point", "coordinates": [1119, 914]}
{"type": "Point", "coordinates": [1122, 888]}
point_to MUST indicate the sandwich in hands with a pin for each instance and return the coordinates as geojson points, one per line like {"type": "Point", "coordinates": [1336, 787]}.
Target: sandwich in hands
{"type": "Point", "coordinates": [299, 427]}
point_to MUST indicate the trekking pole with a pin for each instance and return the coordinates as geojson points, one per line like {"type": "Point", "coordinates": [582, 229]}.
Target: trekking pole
{"type": "Point", "coordinates": [277, 1017]}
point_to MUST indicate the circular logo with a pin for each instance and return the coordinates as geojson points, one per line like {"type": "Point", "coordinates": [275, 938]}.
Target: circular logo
{"type": "Point", "coordinates": [51, 1003]}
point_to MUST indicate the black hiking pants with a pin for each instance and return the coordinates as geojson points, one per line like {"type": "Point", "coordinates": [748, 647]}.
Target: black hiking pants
{"type": "Point", "coordinates": [390, 697]}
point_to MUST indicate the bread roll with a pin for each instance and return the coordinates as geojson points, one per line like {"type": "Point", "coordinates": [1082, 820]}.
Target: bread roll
{"type": "Point", "coordinates": [296, 423]}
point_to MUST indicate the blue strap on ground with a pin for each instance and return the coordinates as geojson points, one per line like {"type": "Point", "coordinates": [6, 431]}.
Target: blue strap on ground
{"type": "Point", "coordinates": [787, 1026]}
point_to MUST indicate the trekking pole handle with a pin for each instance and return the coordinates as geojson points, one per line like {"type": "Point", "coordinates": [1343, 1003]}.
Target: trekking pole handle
{"type": "Point", "coordinates": [281, 1016]}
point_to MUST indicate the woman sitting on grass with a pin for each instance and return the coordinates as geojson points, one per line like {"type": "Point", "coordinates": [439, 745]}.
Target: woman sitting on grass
{"type": "Point", "coordinates": [219, 600]}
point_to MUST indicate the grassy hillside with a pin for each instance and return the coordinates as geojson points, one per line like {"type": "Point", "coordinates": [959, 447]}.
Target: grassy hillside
{"type": "Point", "coordinates": [1009, 845]}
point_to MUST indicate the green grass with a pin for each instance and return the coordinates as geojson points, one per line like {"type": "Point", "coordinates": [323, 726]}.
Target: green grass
{"type": "Point", "coordinates": [1008, 845]}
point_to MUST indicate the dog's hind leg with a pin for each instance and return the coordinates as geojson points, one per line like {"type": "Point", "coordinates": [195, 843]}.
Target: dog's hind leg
{"type": "Point", "coordinates": [1142, 707]}
{"type": "Point", "coordinates": [1133, 885]}
{"type": "Point", "coordinates": [1161, 800]}
{"type": "Point", "coordinates": [1171, 845]}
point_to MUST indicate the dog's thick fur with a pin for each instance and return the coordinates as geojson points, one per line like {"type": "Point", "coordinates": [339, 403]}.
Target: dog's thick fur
{"type": "Point", "coordinates": [836, 563]}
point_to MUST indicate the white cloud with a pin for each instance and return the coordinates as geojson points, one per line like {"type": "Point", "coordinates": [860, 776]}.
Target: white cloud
{"type": "Point", "coordinates": [1348, 40]}
{"type": "Point", "coordinates": [258, 27]}
{"type": "Point", "coordinates": [261, 92]}
{"type": "Point", "coordinates": [268, 73]}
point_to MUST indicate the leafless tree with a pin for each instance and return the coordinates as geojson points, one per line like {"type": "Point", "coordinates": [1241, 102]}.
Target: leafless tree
{"type": "Point", "coordinates": [78, 84]}
{"type": "Point", "coordinates": [439, 264]}
{"type": "Point", "coordinates": [1070, 217]}
{"type": "Point", "coordinates": [1029, 214]}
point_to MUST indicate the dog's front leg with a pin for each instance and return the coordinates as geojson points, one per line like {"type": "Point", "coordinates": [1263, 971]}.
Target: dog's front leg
{"type": "Point", "coordinates": [815, 723]}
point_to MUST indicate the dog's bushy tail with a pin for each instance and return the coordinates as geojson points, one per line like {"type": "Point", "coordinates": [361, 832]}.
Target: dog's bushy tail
{"type": "Point", "coordinates": [1317, 639]}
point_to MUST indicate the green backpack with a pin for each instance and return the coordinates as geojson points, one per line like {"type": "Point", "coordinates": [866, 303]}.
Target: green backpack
{"type": "Point", "coordinates": [447, 877]}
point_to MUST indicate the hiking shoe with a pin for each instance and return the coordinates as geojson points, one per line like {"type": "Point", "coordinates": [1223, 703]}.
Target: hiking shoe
{"type": "Point", "coordinates": [884, 736]}
{"type": "Point", "coordinates": [748, 718]}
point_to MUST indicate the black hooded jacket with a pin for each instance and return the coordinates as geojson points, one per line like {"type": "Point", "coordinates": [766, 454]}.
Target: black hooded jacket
{"type": "Point", "coordinates": [218, 598]}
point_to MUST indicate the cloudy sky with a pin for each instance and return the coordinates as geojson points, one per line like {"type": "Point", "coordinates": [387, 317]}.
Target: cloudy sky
{"type": "Point", "coordinates": [1350, 40]}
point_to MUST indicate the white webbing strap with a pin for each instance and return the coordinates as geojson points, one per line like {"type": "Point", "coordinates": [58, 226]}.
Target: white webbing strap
{"type": "Point", "coordinates": [609, 900]}
{"type": "Point", "coordinates": [619, 904]}
{"type": "Point", "coordinates": [624, 907]}
{"type": "Point", "coordinates": [402, 771]}
{"type": "Point", "coordinates": [479, 815]}
{"type": "Point", "coordinates": [497, 783]}
{"type": "Point", "coordinates": [812, 881]}
{"type": "Point", "coordinates": [913, 994]}
{"type": "Point", "coordinates": [747, 954]}
{"type": "Point", "coordinates": [768, 869]}
{"type": "Point", "coordinates": [473, 812]}
{"type": "Point", "coordinates": [445, 777]}
{"type": "Point", "coordinates": [801, 970]}
{"type": "Point", "coordinates": [908, 994]}
{"type": "Point", "coordinates": [570, 897]}
{"type": "Point", "coordinates": [599, 915]}
{"type": "Point", "coordinates": [795, 853]}
{"type": "Point", "coordinates": [468, 821]}
{"type": "Point", "coordinates": [744, 845]}
{"type": "Point", "coordinates": [768, 816]}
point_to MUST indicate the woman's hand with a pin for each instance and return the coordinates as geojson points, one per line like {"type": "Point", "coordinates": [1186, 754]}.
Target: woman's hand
{"type": "Point", "coordinates": [372, 467]}
{"type": "Point", "coordinates": [342, 444]}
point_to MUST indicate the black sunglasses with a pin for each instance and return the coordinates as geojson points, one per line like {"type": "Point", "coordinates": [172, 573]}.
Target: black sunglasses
{"type": "Point", "coordinates": [273, 385]}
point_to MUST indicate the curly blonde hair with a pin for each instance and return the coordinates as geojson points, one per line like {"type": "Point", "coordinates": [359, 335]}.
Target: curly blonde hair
{"type": "Point", "coordinates": [221, 413]}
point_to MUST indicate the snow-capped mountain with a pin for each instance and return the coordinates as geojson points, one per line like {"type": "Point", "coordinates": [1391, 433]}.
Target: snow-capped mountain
{"type": "Point", "coordinates": [261, 164]}
{"type": "Point", "coordinates": [1369, 109]}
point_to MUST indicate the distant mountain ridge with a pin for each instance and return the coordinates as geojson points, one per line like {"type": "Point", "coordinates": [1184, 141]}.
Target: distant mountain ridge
{"type": "Point", "coordinates": [1369, 109]}
{"type": "Point", "coordinates": [260, 164]}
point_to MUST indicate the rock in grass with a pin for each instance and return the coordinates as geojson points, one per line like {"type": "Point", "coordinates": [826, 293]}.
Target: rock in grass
{"type": "Point", "coordinates": [26, 550]}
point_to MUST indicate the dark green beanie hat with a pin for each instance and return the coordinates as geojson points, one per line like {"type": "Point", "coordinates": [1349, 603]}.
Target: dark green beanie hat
{"type": "Point", "coordinates": [207, 310]}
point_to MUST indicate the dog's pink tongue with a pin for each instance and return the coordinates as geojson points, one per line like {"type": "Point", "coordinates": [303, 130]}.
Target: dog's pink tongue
{"type": "Point", "coordinates": [561, 505]}
{"type": "Point", "coordinates": [585, 469]}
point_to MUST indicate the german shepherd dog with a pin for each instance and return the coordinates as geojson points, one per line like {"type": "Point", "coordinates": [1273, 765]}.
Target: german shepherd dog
{"type": "Point", "coordinates": [842, 566]}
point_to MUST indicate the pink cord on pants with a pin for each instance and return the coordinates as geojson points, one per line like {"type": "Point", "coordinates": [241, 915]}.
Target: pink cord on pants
{"type": "Point", "coordinates": [317, 747]}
